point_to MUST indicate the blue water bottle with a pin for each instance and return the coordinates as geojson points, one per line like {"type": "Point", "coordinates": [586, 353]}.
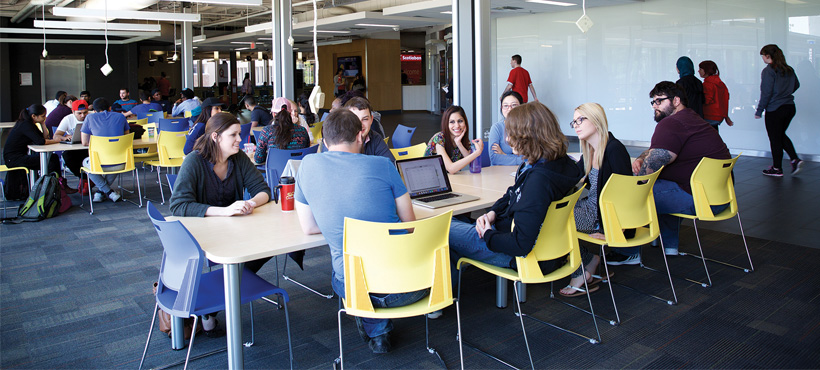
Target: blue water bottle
{"type": "Point", "coordinates": [475, 165]}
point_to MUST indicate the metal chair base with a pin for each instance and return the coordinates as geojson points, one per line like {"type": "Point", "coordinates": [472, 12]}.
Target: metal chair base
{"type": "Point", "coordinates": [314, 291]}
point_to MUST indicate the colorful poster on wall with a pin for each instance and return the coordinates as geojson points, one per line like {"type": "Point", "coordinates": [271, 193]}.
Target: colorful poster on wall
{"type": "Point", "coordinates": [412, 68]}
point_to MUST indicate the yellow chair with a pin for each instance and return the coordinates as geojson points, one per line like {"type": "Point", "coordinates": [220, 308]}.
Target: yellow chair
{"type": "Point", "coordinates": [141, 122]}
{"type": "Point", "coordinates": [188, 113]}
{"type": "Point", "coordinates": [110, 151]}
{"type": "Point", "coordinates": [170, 154]}
{"type": "Point", "coordinates": [712, 184]}
{"type": "Point", "coordinates": [414, 151]}
{"type": "Point", "coordinates": [316, 130]}
{"type": "Point", "coordinates": [151, 154]}
{"type": "Point", "coordinates": [556, 239]}
{"type": "Point", "coordinates": [4, 168]}
{"type": "Point", "coordinates": [627, 202]}
{"type": "Point", "coordinates": [397, 258]}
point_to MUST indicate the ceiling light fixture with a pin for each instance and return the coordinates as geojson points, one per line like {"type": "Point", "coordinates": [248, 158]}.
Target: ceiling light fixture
{"type": "Point", "coordinates": [99, 26]}
{"type": "Point", "coordinates": [377, 25]}
{"type": "Point", "coordinates": [320, 31]}
{"type": "Point", "coordinates": [227, 2]}
{"type": "Point", "coordinates": [548, 2]}
{"type": "Point", "coordinates": [125, 14]}
{"type": "Point", "coordinates": [259, 27]}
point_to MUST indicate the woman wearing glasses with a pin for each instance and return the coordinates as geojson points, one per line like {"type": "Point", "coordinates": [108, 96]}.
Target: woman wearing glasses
{"type": "Point", "coordinates": [602, 155]}
{"type": "Point", "coordinates": [500, 151]}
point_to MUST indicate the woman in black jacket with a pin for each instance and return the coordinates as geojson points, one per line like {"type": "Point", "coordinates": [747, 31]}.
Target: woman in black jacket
{"type": "Point", "coordinates": [546, 175]}
{"type": "Point", "coordinates": [602, 155]}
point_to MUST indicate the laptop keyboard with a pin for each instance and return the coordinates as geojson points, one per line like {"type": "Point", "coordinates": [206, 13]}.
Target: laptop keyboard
{"type": "Point", "coordinates": [438, 197]}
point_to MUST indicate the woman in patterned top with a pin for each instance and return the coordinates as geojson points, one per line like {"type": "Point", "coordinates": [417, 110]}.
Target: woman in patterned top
{"type": "Point", "coordinates": [282, 134]}
{"type": "Point", "coordinates": [602, 155]}
{"type": "Point", "coordinates": [453, 141]}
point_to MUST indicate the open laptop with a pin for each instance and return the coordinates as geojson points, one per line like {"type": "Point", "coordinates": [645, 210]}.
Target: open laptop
{"type": "Point", "coordinates": [427, 182]}
{"type": "Point", "coordinates": [77, 137]}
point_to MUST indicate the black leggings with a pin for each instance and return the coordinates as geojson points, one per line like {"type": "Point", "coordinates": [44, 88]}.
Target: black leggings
{"type": "Point", "coordinates": [777, 122]}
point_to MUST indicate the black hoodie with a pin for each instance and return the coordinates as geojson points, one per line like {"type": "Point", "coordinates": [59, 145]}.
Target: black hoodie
{"type": "Point", "coordinates": [526, 203]}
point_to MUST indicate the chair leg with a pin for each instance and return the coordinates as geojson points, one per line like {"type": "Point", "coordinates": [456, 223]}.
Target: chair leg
{"type": "Point", "coordinates": [611, 292]}
{"type": "Point", "coordinates": [751, 267]}
{"type": "Point", "coordinates": [191, 343]}
{"type": "Point", "coordinates": [701, 257]}
{"type": "Point", "coordinates": [523, 330]}
{"type": "Point", "coordinates": [314, 291]}
{"type": "Point", "coordinates": [341, 359]}
{"type": "Point", "coordinates": [427, 342]}
{"type": "Point", "coordinates": [458, 324]}
{"type": "Point", "coordinates": [591, 311]}
{"type": "Point", "coordinates": [150, 330]}
{"type": "Point", "coordinates": [674, 300]}
{"type": "Point", "coordinates": [159, 180]}
{"type": "Point", "coordinates": [287, 327]}
{"type": "Point", "coordinates": [250, 305]}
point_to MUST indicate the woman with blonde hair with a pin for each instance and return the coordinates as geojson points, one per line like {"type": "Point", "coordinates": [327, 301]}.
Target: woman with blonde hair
{"type": "Point", "coordinates": [546, 175]}
{"type": "Point", "coordinates": [601, 156]}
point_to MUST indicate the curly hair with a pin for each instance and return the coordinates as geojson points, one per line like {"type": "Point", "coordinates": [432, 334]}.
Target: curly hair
{"type": "Point", "coordinates": [534, 132]}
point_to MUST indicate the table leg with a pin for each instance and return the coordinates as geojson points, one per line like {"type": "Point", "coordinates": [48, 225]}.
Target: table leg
{"type": "Point", "coordinates": [500, 292]}
{"type": "Point", "coordinates": [43, 163]}
{"type": "Point", "coordinates": [177, 332]}
{"type": "Point", "coordinates": [233, 325]}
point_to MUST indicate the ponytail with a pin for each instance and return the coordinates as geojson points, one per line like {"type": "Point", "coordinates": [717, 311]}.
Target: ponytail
{"type": "Point", "coordinates": [282, 127]}
{"type": "Point", "coordinates": [32, 110]}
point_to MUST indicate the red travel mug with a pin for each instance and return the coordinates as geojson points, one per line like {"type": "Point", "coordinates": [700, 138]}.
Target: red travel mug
{"type": "Point", "coordinates": [286, 188]}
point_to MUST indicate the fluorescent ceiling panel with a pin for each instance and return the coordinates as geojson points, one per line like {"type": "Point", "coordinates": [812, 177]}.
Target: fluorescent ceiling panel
{"type": "Point", "coordinates": [98, 26]}
{"type": "Point", "coordinates": [228, 2]}
{"type": "Point", "coordinates": [125, 14]}
{"type": "Point", "coordinates": [37, 31]}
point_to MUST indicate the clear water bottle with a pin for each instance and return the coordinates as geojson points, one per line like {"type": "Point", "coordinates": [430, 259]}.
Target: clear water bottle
{"type": "Point", "coordinates": [475, 165]}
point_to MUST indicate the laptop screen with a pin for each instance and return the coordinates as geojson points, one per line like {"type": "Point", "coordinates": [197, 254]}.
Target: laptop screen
{"type": "Point", "coordinates": [424, 176]}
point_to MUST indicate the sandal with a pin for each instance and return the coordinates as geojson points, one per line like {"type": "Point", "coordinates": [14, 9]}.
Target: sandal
{"type": "Point", "coordinates": [578, 290]}
{"type": "Point", "coordinates": [598, 279]}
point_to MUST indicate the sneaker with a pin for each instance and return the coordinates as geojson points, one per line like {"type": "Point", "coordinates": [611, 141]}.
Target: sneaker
{"type": "Point", "coordinates": [114, 196]}
{"type": "Point", "coordinates": [670, 251]}
{"type": "Point", "coordinates": [435, 314]}
{"type": "Point", "coordinates": [772, 171]}
{"type": "Point", "coordinates": [797, 165]}
{"type": "Point", "coordinates": [99, 197]}
{"type": "Point", "coordinates": [380, 344]}
{"type": "Point", "coordinates": [615, 259]}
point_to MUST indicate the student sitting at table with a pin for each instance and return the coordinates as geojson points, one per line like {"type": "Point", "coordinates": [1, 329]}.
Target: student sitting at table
{"type": "Point", "coordinates": [212, 181]}
{"type": "Point", "coordinates": [26, 132]}
{"type": "Point", "coordinates": [65, 132]}
{"type": "Point", "coordinates": [372, 191]}
{"type": "Point", "coordinates": [145, 106]}
{"type": "Point", "coordinates": [602, 155]}
{"type": "Point", "coordinates": [453, 141]}
{"type": "Point", "coordinates": [500, 152]}
{"type": "Point", "coordinates": [210, 107]}
{"type": "Point", "coordinates": [61, 111]}
{"type": "Point", "coordinates": [289, 105]}
{"type": "Point", "coordinates": [282, 134]}
{"type": "Point", "coordinates": [104, 122]}
{"type": "Point", "coordinates": [546, 175]}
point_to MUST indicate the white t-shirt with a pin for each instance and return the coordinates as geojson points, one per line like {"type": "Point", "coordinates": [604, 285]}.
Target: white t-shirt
{"type": "Point", "coordinates": [50, 105]}
{"type": "Point", "coordinates": [68, 124]}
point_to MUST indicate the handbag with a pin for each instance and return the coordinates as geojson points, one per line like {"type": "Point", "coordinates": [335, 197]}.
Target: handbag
{"type": "Point", "coordinates": [165, 322]}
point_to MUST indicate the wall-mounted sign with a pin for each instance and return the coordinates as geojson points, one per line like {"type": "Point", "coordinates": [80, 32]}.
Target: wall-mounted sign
{"type": "Point", "coordinates": [412, 68]}
{"type": "Point", "coordinates": [25, 79]}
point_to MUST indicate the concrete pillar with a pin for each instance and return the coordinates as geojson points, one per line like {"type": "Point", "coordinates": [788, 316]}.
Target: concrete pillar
{"type": "Point", "coordinates": [187, 54]}
{"type": "Point", "coordinates": [471, 62]}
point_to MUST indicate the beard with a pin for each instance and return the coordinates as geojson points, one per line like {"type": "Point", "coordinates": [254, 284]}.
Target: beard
{"type": "Point", "coordinates": [661, 114]}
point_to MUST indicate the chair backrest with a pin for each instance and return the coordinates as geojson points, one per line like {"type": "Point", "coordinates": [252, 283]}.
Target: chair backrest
{"type": "Point", "coordinates": [154, 117]}
{"type": "Point", "coordinates": [414, 151]}
{"type": "Point", "coordinates": [557, 238]}
{"type": "Point", "coordinates": [141, 121]}
{"type": "Point", "coordinates": [712, 184]}
{"type": "Point", "coordinates": [397, 258]}
{"type": "Point", "coordinates": [485, 155]}
{"type": "Point", "coordinates": [278, 159]}
{"type": "Point", "coordinates": [402, 135]}
{"type": "Point", "coordinates": [627, 202]}
{"type": "Point", "coordinates": [182, 262]}
{"type": "Point", "coordinates": [170, 147]}
{"type": "Point", "coordinates": [111, 150]}
{"type": "Point", "coordinates": [174, 124]}
{"type": "Point", "coordinates": [172, 180]}
{"type": "Point", "coordinates": [245, 133]}
{"type": "Point", "coordinates": [316, 130]}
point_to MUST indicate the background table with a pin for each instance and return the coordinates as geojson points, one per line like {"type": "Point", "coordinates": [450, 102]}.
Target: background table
{"type": "Point", "coordinates": [45, 150]}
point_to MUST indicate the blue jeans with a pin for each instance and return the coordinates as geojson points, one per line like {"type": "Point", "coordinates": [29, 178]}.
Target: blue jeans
{"type": "Point", "coordinates": [376, 327]}
{"type": "Point", "coordinates": [670, 198]}
{"type": "Point", "coordinates": [465, 242]}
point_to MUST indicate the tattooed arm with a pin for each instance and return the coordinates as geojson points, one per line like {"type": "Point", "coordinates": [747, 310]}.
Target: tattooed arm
{"type": "Point", "coordinates": [636, 166]}
{"type": "Point", "coordinates": [653, 159]}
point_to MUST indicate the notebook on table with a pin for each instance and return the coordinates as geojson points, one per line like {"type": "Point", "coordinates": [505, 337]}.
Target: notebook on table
{"type": "Point", "coordinates": [427, 182]}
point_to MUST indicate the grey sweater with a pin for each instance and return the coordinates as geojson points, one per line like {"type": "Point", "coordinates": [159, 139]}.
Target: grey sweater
{"type": "Point", "coordinates": [776, 89]}
{"type": "Point", "coordinates": [188, 198]}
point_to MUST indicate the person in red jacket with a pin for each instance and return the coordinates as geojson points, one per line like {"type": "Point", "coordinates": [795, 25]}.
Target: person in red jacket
{"type": "Point", "coordinates": [716, 95]}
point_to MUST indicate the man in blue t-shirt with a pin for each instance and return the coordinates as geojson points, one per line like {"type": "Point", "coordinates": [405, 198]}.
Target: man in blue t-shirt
{"type": "Point", "coordinates": [140, 110]}
{"type": "Point", "coordinates": [125, 100]}
{"type": "Point", "coordinates": [373, 191]}
{"type": "Point", "coordinates": [104, 123]}
{"type": "Point", "coordinates": [259, 115]}
{"type": "Point", "coordinates": [156, 97]}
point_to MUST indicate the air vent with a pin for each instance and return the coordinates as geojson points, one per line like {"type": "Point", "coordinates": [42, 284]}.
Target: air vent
{"type": "Point", "coordinates": [355, 28]}
{"type": "Point", "coordinates": [506, 9]}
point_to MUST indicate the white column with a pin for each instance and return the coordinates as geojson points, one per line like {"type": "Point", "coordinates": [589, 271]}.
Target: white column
{"type": "Point", "coordinates": [471, 54]}
{"type": "Point", "coordinates": [286, 51]}
{"type": "Point", "coordinates": [187, 55]}
{"type": "Point", "coordinates": [482, 120]}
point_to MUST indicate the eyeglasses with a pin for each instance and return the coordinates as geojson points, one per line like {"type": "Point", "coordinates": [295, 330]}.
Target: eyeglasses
{"type": "Point", "coordinates": [657, 101]}
{"type": "Point", "coordinates": [577, 122]}
{"type": "Point", "coordinates": [509, 106]}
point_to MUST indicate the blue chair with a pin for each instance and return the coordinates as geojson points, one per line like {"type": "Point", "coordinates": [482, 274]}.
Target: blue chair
{"type": "Point", "coordinates": [153, 117]}
{"type": "Point", "coordinates": [174, 124]}
{"type": "Point", "coordinates": [183, 290]}
{"type": "Point", "coordinates": [245, 133]}
{"type": "Point", "coordinates": [401, 136]}
{"type": "Point", "coordinates": [172, 179]}
{"type": "Point", "coordinates": [485, 155]}
{"type": "Point", "coordinates": [278, 159]}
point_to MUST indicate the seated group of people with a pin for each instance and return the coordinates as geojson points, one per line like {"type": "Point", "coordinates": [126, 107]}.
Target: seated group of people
{"type": "Point", "coordinates": [212, 180]}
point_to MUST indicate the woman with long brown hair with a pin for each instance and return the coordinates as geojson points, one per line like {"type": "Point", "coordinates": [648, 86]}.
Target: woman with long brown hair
{"type": "Point", "coordinates": [778, 82]}
{"type": "Point", "coordinates": [453, 141]}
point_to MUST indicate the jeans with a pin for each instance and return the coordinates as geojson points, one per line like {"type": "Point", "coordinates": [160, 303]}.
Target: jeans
{"type": "Point", "coordinates": [376, 327]}
{"type": "Point", "coordinates": [465, 242]}
{"type": "Point", "coordinates": [104, 182]}
{"type": "Point", "coordinates": [670, 198]}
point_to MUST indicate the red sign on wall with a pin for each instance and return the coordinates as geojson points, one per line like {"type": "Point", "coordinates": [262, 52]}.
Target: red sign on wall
{"type": "Point", "coordinates": [412, 68]}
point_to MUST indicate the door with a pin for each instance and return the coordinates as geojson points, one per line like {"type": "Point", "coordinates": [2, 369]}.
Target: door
{"type": "Point", "coordinates": [62, 73]}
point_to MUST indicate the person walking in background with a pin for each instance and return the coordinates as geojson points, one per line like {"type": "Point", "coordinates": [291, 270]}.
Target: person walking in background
{"type": "Point", "coordinates": [339, 87]}
{"type": "Point", "coordinates": [501, 153]}
{"type": "Point", "coordinates": [247, 86]}
{"type": "Point", "coordinates": [164, 86]}
{"type": "Point", "coordinates": [519, 80]}
{"type": "Point", "coordinates": [778, 82]}
{"type": "Point", "coordinates": [715, 95]}
{"type": "Point", "coordinates": [691, 85]}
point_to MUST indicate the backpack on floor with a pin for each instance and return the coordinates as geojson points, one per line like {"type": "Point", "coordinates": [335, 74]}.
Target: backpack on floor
{"type": "Point", "coordinates": [43, 201]}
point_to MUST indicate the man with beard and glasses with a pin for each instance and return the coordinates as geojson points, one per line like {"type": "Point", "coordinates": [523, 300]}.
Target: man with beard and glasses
{"type": "Point", "coordinates": [681, 140]}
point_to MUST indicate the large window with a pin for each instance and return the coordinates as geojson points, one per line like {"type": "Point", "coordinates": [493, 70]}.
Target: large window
{"type": "Point", "coordinates": [208, 72]}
